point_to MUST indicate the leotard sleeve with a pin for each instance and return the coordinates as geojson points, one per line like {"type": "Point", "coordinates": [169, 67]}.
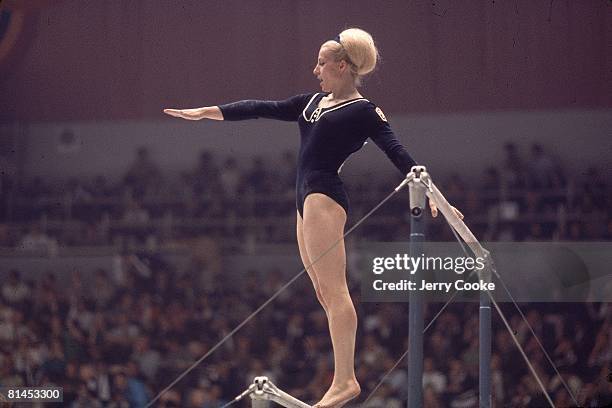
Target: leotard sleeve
{"type": "Point", "coordinates": [381, 133]}
{"type": "Point", "coordinates": [288, 109]}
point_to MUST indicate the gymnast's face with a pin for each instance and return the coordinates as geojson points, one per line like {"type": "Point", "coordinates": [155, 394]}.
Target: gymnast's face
{"type": "Point", "coordinates": [327, 70]}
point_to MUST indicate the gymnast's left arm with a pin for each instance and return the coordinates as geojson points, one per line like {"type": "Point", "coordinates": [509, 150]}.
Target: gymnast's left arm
{"type": "Point", "coordinates": [382, 135]}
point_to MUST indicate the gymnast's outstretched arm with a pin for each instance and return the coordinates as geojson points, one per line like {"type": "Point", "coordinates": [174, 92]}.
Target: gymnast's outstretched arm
{"type": "Point", "coordinates": [288, 110]}
{"type": "Point", "coordinates": [206, 112]}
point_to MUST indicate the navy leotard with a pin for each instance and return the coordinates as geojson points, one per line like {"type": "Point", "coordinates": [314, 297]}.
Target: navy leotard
{"type": "Point", "coordinates": [328, 137]}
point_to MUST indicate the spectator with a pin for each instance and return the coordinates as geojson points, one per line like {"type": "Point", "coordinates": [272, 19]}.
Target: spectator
{"type": "Point", "coordinates": [135, 213]}
{"type": "Point", "coordinates": [430, 397]}
{"type": "Point", "coordinates": [136, 391]}
{"type": "Point", "coordinates": [206, 176]}
{"type": "Point", "coordinates": [170, 399]}
{"type": "Point", "coordinates": [37, 241]}
{"type": "Point", "coordinates": [143, 176]}
{"type": "Point", "coordinates": [601, 354]}
{"type": "Point", "coordinates": [14, 290]}
{"type": "Point", "coordinates": [105, 290]}
{"type": "Point", "coordinates": [8, 375]}
{"type": "Point", "coordinates": [513, 171]}
{"type": "Point", "coordinates": [230, 177]}
{"type": "Point", "coordinates": [433, 378]}
{"type": "Point", "coordinates": [199, 398]}
{"type": "Point", "coordinates": [490, 186]}
{"type": "Point", "coordinates": [55, 367]}
{"type": "Point", "coordinates": [147, 359]}
{"type": "Point", "coordinates": [100, 189]}
{"type": "Point", "coordinates": [255, 179]}
{"type": "Point", "coordinates": [544, 172]}
{"type": "Point", "coordinates": [497, 380]}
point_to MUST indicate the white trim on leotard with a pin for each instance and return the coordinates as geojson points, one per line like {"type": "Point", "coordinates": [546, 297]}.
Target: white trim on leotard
{"type": "Point", "coordinates": [341, 105]}
{"type": "Point", "coordinates": [307, 105]}
{"type": "Point", "coordinates": [319, 112]}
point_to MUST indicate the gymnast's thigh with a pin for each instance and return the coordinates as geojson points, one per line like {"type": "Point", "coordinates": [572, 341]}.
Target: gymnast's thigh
{"type": "Point", "coordinates": [329, 186]}
{"type": "Point", "coordinates": [326, 183]}
{"type": "Point", "coordinates": [323, 229]}
{"type": "Point", "coordinates": [327, 202]}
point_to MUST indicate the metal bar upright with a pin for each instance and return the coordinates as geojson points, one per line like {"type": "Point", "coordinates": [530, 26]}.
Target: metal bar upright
{"type": "Point", "coordinates": [415, 314]}
{"type": "Point", "coordinates": [484, 334]}
{"type": "Point", "coordinates": [484, 340]}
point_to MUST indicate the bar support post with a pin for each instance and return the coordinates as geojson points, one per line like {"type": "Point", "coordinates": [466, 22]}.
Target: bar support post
{"type": "Point", "coordinates": [417, 189]}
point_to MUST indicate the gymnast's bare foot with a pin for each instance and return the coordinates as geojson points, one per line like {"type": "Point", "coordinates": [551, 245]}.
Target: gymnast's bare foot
{"type": "Point", "coordinates": [339, 394]}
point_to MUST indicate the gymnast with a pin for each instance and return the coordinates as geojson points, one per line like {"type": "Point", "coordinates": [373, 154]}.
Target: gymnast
{"type": "Point", "coordinates": [333, 124]}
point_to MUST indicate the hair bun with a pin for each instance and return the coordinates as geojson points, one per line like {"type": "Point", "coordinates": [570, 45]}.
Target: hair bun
{"type": "Point", "coordinates": [360, 49]}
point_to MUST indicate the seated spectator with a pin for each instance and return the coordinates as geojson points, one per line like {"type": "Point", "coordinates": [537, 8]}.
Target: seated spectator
{"type": "Point", "coordinates": [432, 377]}
{"type": "Point", "coordinates": [206, 176]}
{"type": "Point", "coordinates": [544, 172]}
{"type": "Point", "coordinates": [536, 232]}
{"type": "Point", "coordinates": [100, 187]}
{"type": "Point", "coordinates": [255, 179]}
{"type": "Point", "coordinates": [512, 171]}
{"type": "Point", "coordinates": [105, 289]}
{"type": "Point", "coordinates": [385, 398]}
{"type": "Point", "coordinates": [287, 170]}
{"type": "Point", "coordinates": [430, 397]}
{"type": "Point", "coordinates": [38, 241]}
{"type": "Point", "coordinates": [135, 213]}
{"type": "Point", "coordinates": [147, 358]}
{"type": "Point", "coordinates": [490, 187]}
{"type": "Point", "coordinates": [601, 353]}
{"type": "Point", "coordinates": [143, 175]}
{"type": "Point", "coordinates": [14, 290]}
{"type": "Point", "coordinates": [230, 178]}
{"type": "Point", "coordinates": [170, 399]}
{"type": "Point", "coordinates": [137, 393]}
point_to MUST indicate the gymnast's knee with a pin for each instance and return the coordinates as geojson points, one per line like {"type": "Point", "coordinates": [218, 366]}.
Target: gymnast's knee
{"type": "Point", "coordinates": [320, 298]}
{"type": "Point", "coordinates": [331, 294]}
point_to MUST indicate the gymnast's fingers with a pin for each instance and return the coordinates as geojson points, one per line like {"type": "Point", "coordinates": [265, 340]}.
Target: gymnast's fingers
{"type": "Point", "coordinates": [458, 213]}
{"type": "Point", "coordinates": [189, 114]}
{"type": "Point", "coordinates": [173, 112]}
{"type": "Point", "coordinates": [433, 208]}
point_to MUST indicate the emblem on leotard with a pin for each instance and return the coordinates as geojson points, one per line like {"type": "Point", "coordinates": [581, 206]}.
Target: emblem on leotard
{"type": "Point", "coordinates": [315, 115]}
{"type": "Point", "coordinates": [381, 114]}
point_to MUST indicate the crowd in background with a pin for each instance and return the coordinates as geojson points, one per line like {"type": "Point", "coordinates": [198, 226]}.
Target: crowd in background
{"type": "Point", "coordinates": [524, 197]}
{"type": "Point", "coordinates": [121, 340]}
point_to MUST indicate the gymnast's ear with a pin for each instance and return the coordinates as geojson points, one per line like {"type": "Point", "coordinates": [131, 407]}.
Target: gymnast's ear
{"type": "Point", "coordinates": [343, 65]}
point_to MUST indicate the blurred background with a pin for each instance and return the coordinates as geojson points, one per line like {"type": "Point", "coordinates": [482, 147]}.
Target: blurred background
{"type": "Point", "coordinates": [131, 242]}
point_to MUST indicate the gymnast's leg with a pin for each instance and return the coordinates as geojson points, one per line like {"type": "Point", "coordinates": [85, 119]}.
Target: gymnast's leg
{"type": "Point", "coordinates": [306, 261]}
{"type": "Point", "coordinates": [323, 226]}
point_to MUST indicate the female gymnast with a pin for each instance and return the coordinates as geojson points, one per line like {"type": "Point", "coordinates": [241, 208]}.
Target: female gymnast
{"type": "Point", "coordinates": [333, 124]}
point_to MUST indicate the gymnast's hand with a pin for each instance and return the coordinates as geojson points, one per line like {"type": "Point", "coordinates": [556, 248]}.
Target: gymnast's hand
{"type": "Point", "coordinates": [434, 210]}
{"type": "Point", "coordinates": [207, 112]}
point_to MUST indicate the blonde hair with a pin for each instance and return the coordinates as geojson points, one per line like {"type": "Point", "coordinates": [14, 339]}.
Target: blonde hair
{"type": "Point", "coordinates": [357, 48]}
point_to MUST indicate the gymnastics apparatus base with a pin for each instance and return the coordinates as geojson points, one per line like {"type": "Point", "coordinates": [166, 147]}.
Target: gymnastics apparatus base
{"type": "Point", "coordinates": [263, 390]}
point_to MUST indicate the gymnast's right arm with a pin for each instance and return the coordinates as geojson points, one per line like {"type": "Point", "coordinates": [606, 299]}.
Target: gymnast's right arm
{"type": "Point", "coordinates": [206, 112]}
{"type": "Point", "coordinates": [288, 110]}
